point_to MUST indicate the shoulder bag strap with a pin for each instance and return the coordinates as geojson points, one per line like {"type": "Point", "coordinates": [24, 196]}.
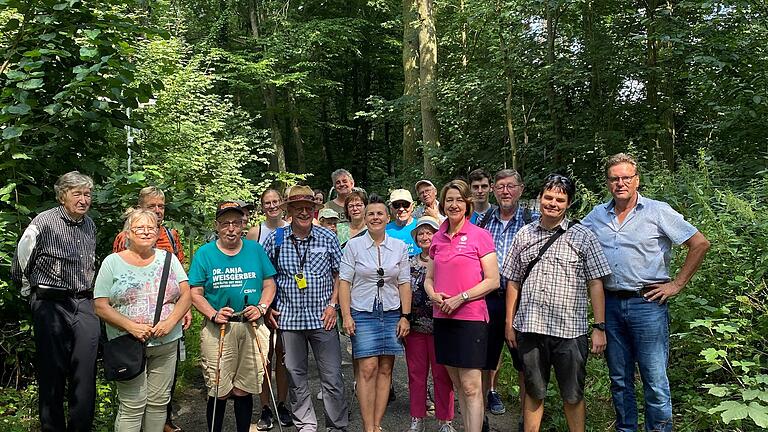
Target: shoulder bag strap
{"type": "Point", "coordinates": [161, 291]}
{"type": "Point", "coordinates": [169, 232]}
{"type": "Point", "coordinates": [552, 239]}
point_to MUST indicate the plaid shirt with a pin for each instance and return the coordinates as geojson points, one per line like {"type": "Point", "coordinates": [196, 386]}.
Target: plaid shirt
{"type": "Point", "coordinates": [553, 298]}
{"type": "Point", "coordinates": [303, 309]}
{"type": "Point", "coordinates": [503, 235]}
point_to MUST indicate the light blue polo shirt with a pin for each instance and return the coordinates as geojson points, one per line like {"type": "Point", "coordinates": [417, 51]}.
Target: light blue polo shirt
{"type": "Point", "coordinates": [639, 250]}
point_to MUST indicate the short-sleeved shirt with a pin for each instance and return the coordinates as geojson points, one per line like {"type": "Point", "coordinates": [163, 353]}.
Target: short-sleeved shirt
{"type": "Point", "coordinates": [359, 264]}
{"type": "Point", "coordinates": [639, 249]}
{"type": "Point", "coordinates": [553, 299]}
{"type": "Point", "coordinates": [477, 216]}
{"type": "Point", "coordinates": [167, 240]}
{"type": "Point", "coordinates": [338, 209]}
{"type": "Point", "coordinates": [404, 233]}
{"type": "Point", "coordinates": [457, 267]}
{"type": "Point", "coordinates": [421, 305]}
{"type": "Point", "coordinates": [227, 280]}
{"type": "Point", "coordinates": [132, 291]}
{"type": "Point", "coordinates": [302, 309]}
{"type": "Point", "coordinates": [504, 233]}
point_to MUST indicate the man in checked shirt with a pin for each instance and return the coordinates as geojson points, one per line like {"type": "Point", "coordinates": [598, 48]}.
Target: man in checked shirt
{"type": "Point", "coordinates": [549, 324]}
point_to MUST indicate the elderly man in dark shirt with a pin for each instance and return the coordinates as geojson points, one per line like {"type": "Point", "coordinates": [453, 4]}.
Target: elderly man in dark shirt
{"type": "Point", "coordinates": [55, 265]}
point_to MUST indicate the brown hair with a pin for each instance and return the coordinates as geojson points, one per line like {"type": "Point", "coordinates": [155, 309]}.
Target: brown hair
{"type": "Point", "coordinates": [356, 194]}
{"type": "Point", "coordinates": [466, 195]}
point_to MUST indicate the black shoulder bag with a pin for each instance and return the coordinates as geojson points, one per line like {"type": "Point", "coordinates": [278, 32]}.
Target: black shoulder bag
{"type": "Point", "coordinates": [552, 239]}
{"type": "Point", "coordinates": [125, 357]}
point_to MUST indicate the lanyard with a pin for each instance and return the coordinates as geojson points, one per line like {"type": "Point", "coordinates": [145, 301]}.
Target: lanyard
{"type": "Point", "coordinates": [302, 258]}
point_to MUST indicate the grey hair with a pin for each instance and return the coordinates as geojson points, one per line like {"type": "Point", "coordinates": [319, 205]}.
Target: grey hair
{"type": "Point", "coordinates": [341, 172]}
{"type": "Point", "coordinates": [150, 191]}
{"type": "Point", "coordinates": [133, 214]}
{"type": "Point", "coordinates": [71, 180]}
{"type": "Point", "coordinates": [620, 158]}
{"type": "Point", "coordinates": [509, 173]}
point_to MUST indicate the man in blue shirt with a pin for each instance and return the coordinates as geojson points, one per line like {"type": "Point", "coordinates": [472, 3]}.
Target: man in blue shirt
{"type": "Point", "coordinates": [637, 235]}
{"type": "Point", "coordinates": [403, 222]}
{"type": "Point", "coordinates": [307, 260]}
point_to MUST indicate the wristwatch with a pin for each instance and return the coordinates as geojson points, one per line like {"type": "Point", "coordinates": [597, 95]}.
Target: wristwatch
{"type": "Point", "coordinates": [599, 326]}
{"type": "Point", "coordinates": [408, 316]}
{"type": "Point", "coordinates": [262, 307]}
{"type": "Point", "coordinates": [464, 296]}
{"type": "Point", "coordinates": [335, 306]}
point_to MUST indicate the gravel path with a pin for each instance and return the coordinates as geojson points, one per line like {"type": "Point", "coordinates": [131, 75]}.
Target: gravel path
{"type": "Point", "coordinates": [191, 403]}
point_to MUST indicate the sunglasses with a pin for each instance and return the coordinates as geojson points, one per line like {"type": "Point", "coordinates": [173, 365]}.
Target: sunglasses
{"type": "Point", "coordinates": [397, 205]}
{"type": "Point", "coordinates": [380, 282]}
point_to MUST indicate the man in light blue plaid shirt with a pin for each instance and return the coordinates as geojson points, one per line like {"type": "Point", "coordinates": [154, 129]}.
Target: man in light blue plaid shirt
{"type": "Point", "coordinates": [307, 259]}
{"type": "Point", "coordinates": [503, 223]}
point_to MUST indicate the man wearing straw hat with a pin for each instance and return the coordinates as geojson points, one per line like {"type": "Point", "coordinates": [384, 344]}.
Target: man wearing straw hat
{"type": "Point", "coordinates": [307, 259]}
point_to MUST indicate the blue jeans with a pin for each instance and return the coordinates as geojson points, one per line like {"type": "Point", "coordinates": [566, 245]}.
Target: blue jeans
{"type": "Point", "coordinates": [637, 331]}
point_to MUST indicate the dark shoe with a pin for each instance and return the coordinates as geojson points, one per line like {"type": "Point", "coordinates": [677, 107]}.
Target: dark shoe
{"type": "Point", "coordinates": [520, 425]}
{"type": "Point", "coordinates": [392, 395]}
{"type": "Point", "coordinates": [266, 420]}
{"type": "Point", "coordinates": [170, 427]}
{"type": "Point", "coordinates": [486, 426]}
{"type": "Point", "coordinates": [495, 405]}
{"type": "Point", "coordinates": [284, 415]}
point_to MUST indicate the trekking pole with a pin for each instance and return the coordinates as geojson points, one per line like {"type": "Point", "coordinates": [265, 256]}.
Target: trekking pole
{"type": "Point", "coordinates": [264, 366]}
{"type": "Point", "coordinates": [222, 330]}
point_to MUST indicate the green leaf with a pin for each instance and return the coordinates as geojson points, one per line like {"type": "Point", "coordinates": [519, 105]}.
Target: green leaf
{"type": "Point", "coordinates": [18, 109]}
{"type": "Point", "coordinates": [750, 394]}
{"type": "Point", "coordinates": [20, 156]}
{"type": "Point", "coordinates": [60, 6]}
{"type": "Point", "coordinates": [718, 391]}
{"type": "Point", "coordinates": [12, 132]}
{"type": "Point", "coordinates": [758, 414]}
{"type": "Point", "coordinates": [7, 188]}
{"type": "Point", "coordinates": [47, 36]}
{"type": "Point", "coordinates": [30, 84]}
{"type": "Point", "coordinates": [731, 410]}
{"type": "Point", "coordinates": [86, 52]}
{"type": "Point", "coordinates": [92, 34]}
{"type": "Point", "coordinates": [52, 109]}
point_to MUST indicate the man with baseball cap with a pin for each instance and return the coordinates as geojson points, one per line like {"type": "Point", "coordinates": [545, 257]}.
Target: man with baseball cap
{"type": "Point", "coordinates": [307, 258]}
{"type": "Point", "coordinates": [403, 221]}
{"type": "Point", "coordinates": [328, 218]}
{"type": "Point", "coordinates": [427, 193]}
{"type": "Point", "coordinates": [232, 286]}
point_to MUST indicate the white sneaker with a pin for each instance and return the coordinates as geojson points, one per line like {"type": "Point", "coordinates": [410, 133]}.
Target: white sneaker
{"type": "Point", "coordinates": [446, 427]}
{"type": "Point", "coordinates": [417, 425]}
{"type": "Point", "coordinates": [320, 395]}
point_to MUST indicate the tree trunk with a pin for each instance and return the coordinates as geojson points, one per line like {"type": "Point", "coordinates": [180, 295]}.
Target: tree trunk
{"type": "Point", "coordinates": [411, 81]}
{"type": "Point", "coordinates": [296, 133]}
{"type": "Point", "coordinates": [277, 136]}
{"type": "Point", "coordinates": [427, 85]}
{"type": "Point", "coordinates": [508, 117]}
{"type": "Point", "coordinates": [554, 115]}
{"type": "Point", "coordinates": [652, 80]}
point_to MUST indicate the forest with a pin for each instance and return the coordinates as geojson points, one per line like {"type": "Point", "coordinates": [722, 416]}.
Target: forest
{"type": "Point", "coordinates": [214, 99]}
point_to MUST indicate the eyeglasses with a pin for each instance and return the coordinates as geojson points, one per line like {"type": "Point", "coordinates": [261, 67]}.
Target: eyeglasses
{"type": "Point", "coordinates": [510, 187]}
{"type": "Point", "coordinates": [227, 224]}
{"type": "Point", "coordinates": [623, 179]}
{"type": "Point", "coordinates": [355, 205]}
{"type": "Point", "coordinates": [397, 205]}
{"type": "Point", "coordinates": [144, 230]}
{"type": "Point", "coordinates": [380, 282]}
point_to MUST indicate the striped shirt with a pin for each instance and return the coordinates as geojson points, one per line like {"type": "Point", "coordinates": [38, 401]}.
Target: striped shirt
{"type": "Point", "coordinates": [56, 252]}
{"type": "Point", "coordinates": [302, 309]}
{"type": "Point", "coordinates": [167, 240]}
{"type": "Point", "coordinates": [553, 299]}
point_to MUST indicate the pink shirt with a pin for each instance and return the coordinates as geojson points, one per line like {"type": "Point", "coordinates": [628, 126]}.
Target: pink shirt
{"type": "Point", "coordinates": [457, 267]}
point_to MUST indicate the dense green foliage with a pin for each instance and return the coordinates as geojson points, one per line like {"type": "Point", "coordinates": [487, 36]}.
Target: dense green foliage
{"type": "Point", "coordinates": [217, 99]}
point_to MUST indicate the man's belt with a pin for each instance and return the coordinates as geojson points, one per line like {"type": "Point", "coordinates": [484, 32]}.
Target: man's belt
{"type": "Point", "coordinates": [45, 292]}
{"type": "Point", "coordinates": [625, 294]}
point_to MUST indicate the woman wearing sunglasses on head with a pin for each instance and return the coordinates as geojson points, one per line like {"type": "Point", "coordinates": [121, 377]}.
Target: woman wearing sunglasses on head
{"type": "Point", "coordinates": [375, 296]}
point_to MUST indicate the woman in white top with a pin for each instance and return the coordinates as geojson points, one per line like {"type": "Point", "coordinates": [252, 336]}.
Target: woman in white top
{"type": "Point", "coordinates": [375, 297]}
{"type": "Point", "coordinates": [270, 205]}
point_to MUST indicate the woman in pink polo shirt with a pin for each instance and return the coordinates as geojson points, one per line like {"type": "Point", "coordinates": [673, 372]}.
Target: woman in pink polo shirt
{"type": "Point", "coordinates": [462, 269]}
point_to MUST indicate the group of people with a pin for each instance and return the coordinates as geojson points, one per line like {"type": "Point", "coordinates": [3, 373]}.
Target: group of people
{"type": "Point", "coordinates": [447, 283]}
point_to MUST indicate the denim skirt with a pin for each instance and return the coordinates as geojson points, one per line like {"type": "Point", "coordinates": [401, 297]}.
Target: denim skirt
{"type": "Point", "coordinates": [375, 333]}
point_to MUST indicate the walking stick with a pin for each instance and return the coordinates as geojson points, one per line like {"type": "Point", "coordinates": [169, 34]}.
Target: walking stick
{"type": "Point", "coordinates": [222, 330]}
{"type": "Point", "coordinates": [264, 366]}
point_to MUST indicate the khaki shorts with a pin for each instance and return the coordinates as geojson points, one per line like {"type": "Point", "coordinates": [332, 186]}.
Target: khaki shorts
{"type": "Point", "coordinates": [241, 365]}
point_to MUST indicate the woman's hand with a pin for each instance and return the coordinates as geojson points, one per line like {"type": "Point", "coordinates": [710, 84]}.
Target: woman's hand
{"type": "Point", "coordinates": [141, 332]}
{"type": "Point", "coordinates": [162, 328]}
{"type": "Point", "coordinates": [438, 298]}
{"type": "Point", "coordinates": [252, 313]}
{"type": "Point", "coordinates": [349, 325]}
{"type": "Point", "coordinates": [450, 304]}
{"type": "Point", "coordinates": [403, 327]}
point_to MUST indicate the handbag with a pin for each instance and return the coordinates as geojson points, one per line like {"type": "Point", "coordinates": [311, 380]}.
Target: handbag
{"type": "Point", "coordinates": [125, 357]}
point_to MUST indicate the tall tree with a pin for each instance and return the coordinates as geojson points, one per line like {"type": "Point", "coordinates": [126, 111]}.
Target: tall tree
{"type": "Point", "coordinates": [410, 81]}
{"type": "Point", "coordinates": [427, 85]}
